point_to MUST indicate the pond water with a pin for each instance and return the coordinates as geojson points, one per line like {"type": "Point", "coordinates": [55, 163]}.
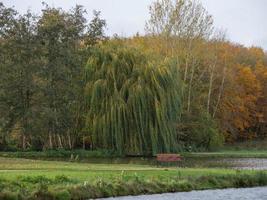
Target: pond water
{"type": "Point", "coordinates": [259, 193]}
{"type": "Point", "coordinates": [234, 163]}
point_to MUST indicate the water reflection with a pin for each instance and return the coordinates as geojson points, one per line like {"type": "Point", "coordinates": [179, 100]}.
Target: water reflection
{"type": "Point", "coordinates": [259, 193]}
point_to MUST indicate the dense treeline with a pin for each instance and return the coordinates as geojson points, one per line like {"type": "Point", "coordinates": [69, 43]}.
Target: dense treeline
{"type": "Point", "coordinates": [182, 86]}
{"type": "Point", "coordinates": [42, 69]}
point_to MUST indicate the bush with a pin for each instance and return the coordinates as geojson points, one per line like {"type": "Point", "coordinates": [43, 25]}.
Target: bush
{"type": "Point", "coordinates": [8, 196]}
{"type": "Point", "coordinates": [42, 192]}
{"type": "Point", "coordinates": [200, 132]}
{"type": "Point", "coordinates": [35, 179]}
{"type": "Point", "coordinates": [262, 178]}
{"type": "Point", "coordinates": [62, 179]}
{"type": "Point", "coordinates": [62, 195]}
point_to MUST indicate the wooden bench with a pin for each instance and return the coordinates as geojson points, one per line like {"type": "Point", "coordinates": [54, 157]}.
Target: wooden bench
{"type": "Point", "coordinates": [168, 158]}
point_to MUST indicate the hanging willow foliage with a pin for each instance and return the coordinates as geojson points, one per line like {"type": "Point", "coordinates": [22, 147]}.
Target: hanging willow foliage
{"type": "Point", "coordinates": [132, 104]}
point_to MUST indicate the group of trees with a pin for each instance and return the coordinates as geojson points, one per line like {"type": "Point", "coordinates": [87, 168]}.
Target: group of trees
{"type": "Point", "coordinates": [181, 86]}
{"type": "Point", "coordinates": [42, 69]}
{"type": "Point", "coordinates": [223, 84]}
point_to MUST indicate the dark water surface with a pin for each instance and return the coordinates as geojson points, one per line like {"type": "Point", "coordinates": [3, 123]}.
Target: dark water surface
{"type": "Point", "coordinates": [259, 193]}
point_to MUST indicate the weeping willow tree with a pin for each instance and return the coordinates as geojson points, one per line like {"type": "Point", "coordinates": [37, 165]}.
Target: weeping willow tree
{"type": "Point", "coordinates": [132, 104]}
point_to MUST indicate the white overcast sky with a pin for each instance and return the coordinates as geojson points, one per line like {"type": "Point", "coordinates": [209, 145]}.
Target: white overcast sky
{"type": "Point", "coordinates": [244, 20]}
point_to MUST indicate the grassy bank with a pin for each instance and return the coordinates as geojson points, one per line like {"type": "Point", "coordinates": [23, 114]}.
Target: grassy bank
{"type": "Point", "coordinates": [31, 179]}
{"type": "Point", "coordinates": [228, 154]}
{"type": "Point", "coordinates": [61, 153]}
{"type": "Point", "coordinates": [248, 149]}
{"type": "Point", "coordinates": [76, 155]}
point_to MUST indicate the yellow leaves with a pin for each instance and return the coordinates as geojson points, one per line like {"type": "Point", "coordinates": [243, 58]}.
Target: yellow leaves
{"type": "Point", "coordinates": [257, 53]}
{"type": "Point", "coordinates": [239, 107]}
{"type": "Point", "coordinates": [261, 73]}
{"type": "Point", "coordinates": [239, 78]}
{"type": "Point", "coordinates": [249, 82]}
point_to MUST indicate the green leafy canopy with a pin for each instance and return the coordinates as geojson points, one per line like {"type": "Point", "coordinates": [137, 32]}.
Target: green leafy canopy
{"type": "Point", "coordinates": [133, 103]}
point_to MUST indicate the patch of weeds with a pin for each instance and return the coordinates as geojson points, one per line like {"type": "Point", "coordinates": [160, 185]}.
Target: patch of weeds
{"type": "Point", "coordinates": [35, 179]}
{"type": "Point", "coordinates": [42, 193]}
{"type": "Point", "coordinates": [244, 180]}
{"type": "Point", "coordinates": [63, 179]}
{"type": "Point", "coordinates": [262, 178]}
{"type": "Point", "coordinates": [6, 195]}
{"type": "Point", "coordinates": [62, 195]}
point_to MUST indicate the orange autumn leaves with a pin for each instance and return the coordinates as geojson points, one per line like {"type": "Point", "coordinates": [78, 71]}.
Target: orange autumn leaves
{"type": "Point", "coordinates": [243, 106]}
{"type": "Point", "coordinates": [238, 108]}
{"type": "Point", "coordinates": [232, 77]}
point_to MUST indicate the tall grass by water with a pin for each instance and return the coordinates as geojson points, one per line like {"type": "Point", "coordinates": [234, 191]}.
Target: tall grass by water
{"type": "Point", "coordinates": [31, 179]}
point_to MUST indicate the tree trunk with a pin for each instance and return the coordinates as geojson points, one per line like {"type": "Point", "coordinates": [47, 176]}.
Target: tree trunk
{"type": "Point", "coordinates": [59, 141]}
{"type": "Point", "coordinates": [210, 86]}
{"type": "Point", "coordinates": [187, 60]}
{"type": "Point", "coordinates": [190, 88]}
{"type": "Point", "coordinates": [50, 141]}
{"type": "Point", "coordinates": [69, 141]}
{"type": "Point", "coordinates": [4, 141]}
{"type": "Point", "coordinates": [83, 142]}
{"type": "Point", "coordinates": [23, 141]}
{"type": "Point", "coordinates": [220, 93]}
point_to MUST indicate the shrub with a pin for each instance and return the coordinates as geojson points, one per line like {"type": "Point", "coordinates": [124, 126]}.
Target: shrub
{"type": "Point", "coordinates": [36, 179]}
{"type": "Point", "coordinates": [262, 178]}
{"type": "Point", "coordinates": [62, 195]}
{"type": "Point", "coordinates": [62, 179]}
{"type": "Point", "coordinates": [200, 132]}
{"type": "Point", "coordinates": [8, 196]}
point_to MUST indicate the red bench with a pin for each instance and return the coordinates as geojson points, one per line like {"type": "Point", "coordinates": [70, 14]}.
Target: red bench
{"type": "Point", "coordinates": [169, 157]}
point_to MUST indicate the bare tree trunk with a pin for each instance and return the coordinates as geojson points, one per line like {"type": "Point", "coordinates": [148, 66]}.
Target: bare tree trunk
{"type": "Point", "coordinates": [50, 141]}
{"type": "Point", "coordinates": [210, 86]}
{"type": "Point", "coordinates": [4, 142]}
{"type": "Point", "coordinates": [83, 142]}
{"type": "Point", "coordinates": [23, 141]}
{"type": "Point", "coordinates": [188, 49]}
{"type": "Point", "coordinates": [55, 140]}
{"type": "Point", "coordinates": [220, 93]}
{"type": "Point", "coordinates": [187, 60]}
{"type": "Point", "coordinates": [190, 87]}
{"type": "Point", "coordinates": [59, 141]}
{"type": "Point", "coordinates": [69, 141]}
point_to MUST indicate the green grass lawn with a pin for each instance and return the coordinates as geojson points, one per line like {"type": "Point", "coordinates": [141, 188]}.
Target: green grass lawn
{"type": "Point", "coordinates": [40, 175]}
{"type": "Point", "coordinates": [11, 168]}
{"type": "Point", "coordinates": [24, 178]}
{"type": "Point", "coordinates": [228, 152]}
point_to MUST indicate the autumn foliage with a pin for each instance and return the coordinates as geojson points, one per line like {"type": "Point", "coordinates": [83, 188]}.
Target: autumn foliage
{"type": "Point", "coordinates": [179, 86]}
